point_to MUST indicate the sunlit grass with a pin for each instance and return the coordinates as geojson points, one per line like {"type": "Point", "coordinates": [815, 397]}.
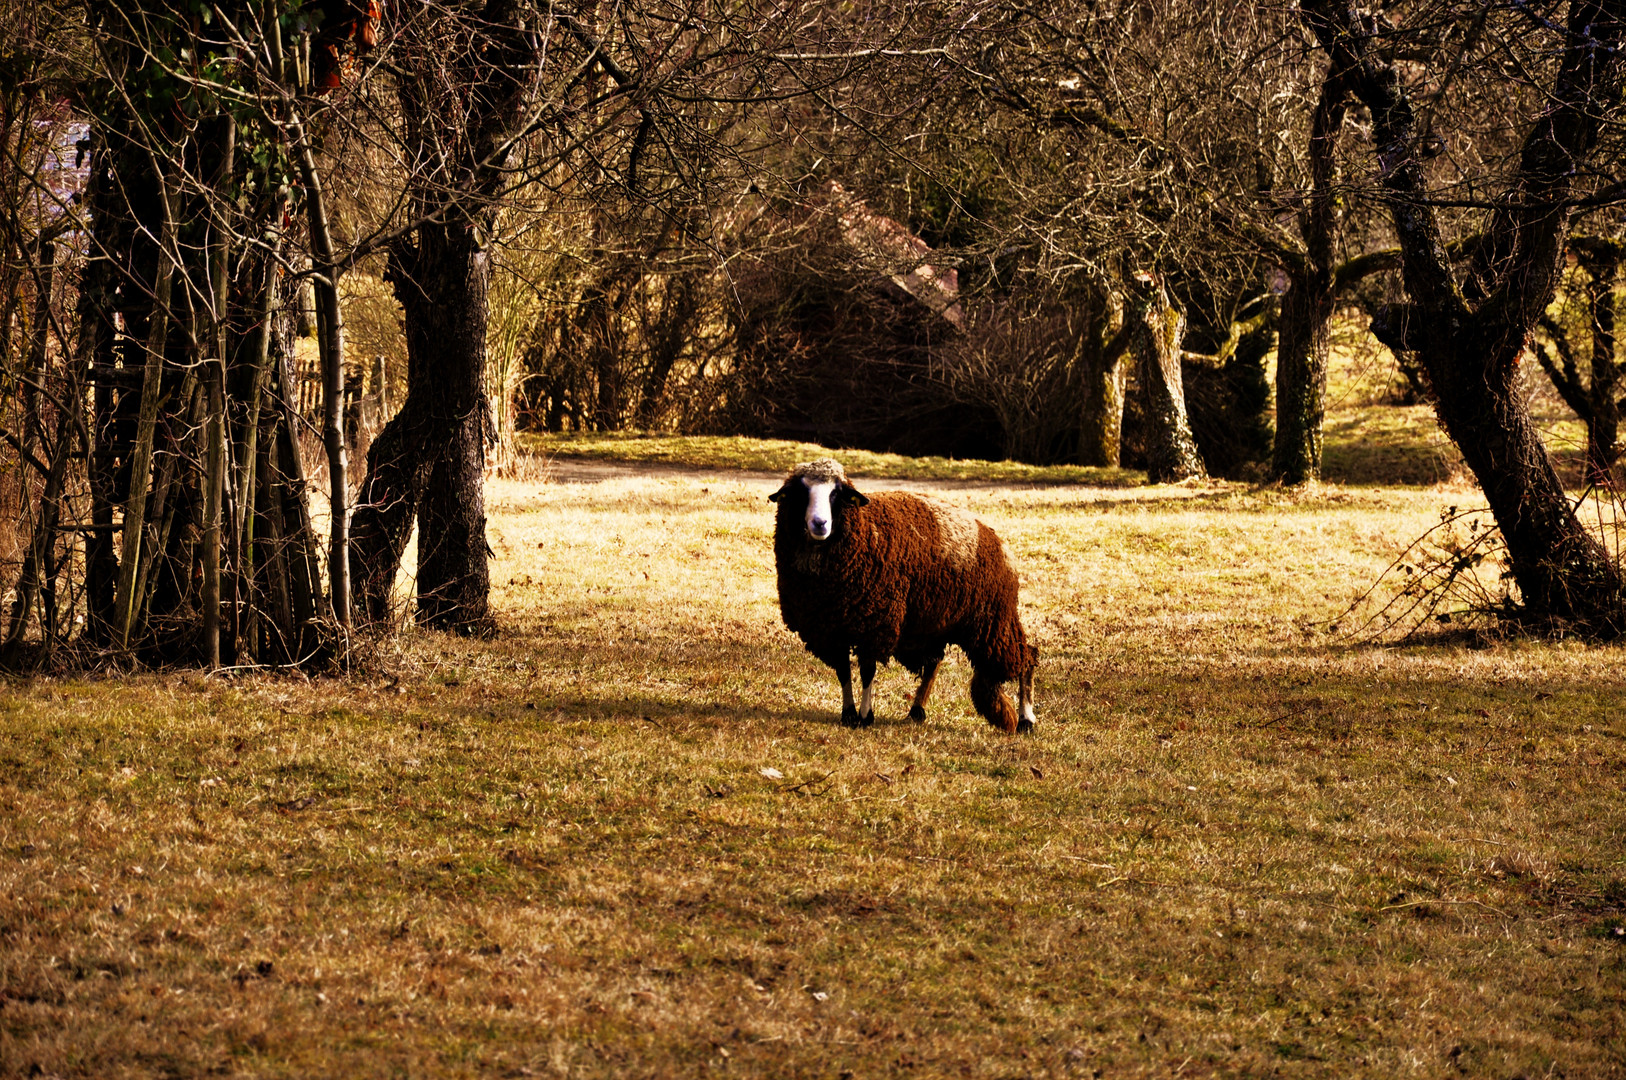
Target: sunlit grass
{"type": "Point", "coordinates": [1239, 844]}
{"type": "Point", "coordinates": [779, 455]}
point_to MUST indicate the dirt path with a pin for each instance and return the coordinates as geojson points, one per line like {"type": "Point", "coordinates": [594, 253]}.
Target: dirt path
{"type": "Point", "coordinates": [560, 470]}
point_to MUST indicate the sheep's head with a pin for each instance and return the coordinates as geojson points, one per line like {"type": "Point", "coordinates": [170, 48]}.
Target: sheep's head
{"type": "Point", "coordinates": [820, 489]}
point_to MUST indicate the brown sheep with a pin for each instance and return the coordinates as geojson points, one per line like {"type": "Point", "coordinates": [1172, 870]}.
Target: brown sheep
{"type": "Point", "coordinates": [896, 574]}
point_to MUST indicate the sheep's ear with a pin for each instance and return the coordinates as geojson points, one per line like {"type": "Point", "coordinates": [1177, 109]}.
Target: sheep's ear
{"type": "Point", "coordinates": [853, 496]}
{"type": "Point", "coordinates": [780, 494]}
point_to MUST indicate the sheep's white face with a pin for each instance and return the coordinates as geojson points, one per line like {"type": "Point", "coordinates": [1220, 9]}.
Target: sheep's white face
{"type": "Point", "coordinates": [821, 518]}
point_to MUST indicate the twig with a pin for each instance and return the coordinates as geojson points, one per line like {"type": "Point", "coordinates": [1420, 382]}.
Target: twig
{"type": "Point", "coordinates": [1458, 903]}
{"type": "Point", "coordinates": [805, 787]}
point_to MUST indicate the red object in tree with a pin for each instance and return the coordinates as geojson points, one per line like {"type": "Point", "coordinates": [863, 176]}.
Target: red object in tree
{"type": "Point", "coordinates": [349, 27]}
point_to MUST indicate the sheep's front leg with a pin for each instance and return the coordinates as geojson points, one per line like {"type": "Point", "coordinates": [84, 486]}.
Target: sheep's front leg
{"type": "Point", "coordinates": [1024, 699]}
{"type": "Point", "coordinates": [866, 675]}
{"type": "Point", "coordinates": [844, 671]}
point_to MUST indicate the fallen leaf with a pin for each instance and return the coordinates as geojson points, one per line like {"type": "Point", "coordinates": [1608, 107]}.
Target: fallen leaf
{"type": "Point", "coordinates": [1038, 773]}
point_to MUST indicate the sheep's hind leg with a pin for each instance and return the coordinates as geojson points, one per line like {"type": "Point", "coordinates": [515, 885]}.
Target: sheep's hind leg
{"type": "Point", "coordinates": [866, 675]}
{"type": "Point", "coordinates": [928, 674]}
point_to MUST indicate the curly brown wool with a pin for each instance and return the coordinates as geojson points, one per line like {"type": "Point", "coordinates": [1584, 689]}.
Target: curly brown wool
{"type": "Point", "coordinates": [899, 575]}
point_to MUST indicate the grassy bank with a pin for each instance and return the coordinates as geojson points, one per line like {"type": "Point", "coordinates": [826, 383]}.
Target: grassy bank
{"type": "Point", "coordinates": [779, 455]}
{"type": "Point", "coordinates": [1238, 845]}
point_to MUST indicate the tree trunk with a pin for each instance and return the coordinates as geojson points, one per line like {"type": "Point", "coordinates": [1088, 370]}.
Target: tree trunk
{"type": "Point", "coordinates": [1160, 327]}
{"type": "Point", "coordinates": [429, 460]}
{"type": "Point", "coordinates": [330, 321]}
{"type": "Point", "coordinates": [1102, 346]}
{"type": "Point", "coordinates": [1100, 433]}
{"type": "Point", "coordinates": [454, 583]}
{"type": "Point", "coordinates": [39, 335]}
{"type": "Point", "coordinates": [135, 504]}
{"type": "Point", "coordinates": [441, 277]}
{"type": "Point", "coordinates": [1301, 377]}
{"type": "Point", "coordinates": [1301, 365]}
{"type": "Point", "coordinates": [214, 375]}
{"type": "Point", "coordinates": [678, 307]}
{"type": "Point", "coordinates": [1562, 571]}
{"type": "Point", "coordinates": [399, 464]}
{"type": "Point", "coordinates": [1471, 337]}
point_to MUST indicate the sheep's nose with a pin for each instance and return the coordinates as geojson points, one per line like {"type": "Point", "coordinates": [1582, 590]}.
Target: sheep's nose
{"type": "Point", "coordinates": [818, 528]}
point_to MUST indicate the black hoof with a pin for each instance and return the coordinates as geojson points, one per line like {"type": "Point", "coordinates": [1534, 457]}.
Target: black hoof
{"type": "Point", "coordinates": [1024, 727]}
{"type": "Point", "coordinates": [850, 717]}
{"type": "Point", "coordinates": [917, 715]}
{"type": "Point", "coordinates": [869, 720]}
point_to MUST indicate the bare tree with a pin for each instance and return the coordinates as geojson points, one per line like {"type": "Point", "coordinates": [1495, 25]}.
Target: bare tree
{"type": "Point", "coordinates": [1469, 328]}
{"type": "Point", "coordinates": [468, 81]}
{"type": "Point", "coordinates": [605, 108]}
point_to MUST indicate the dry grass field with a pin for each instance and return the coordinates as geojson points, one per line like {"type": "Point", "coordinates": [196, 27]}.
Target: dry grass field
{"type": "Point", "coordinates": [629, 838]}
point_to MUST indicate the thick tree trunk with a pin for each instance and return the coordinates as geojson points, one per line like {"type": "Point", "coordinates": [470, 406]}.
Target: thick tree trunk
{"type": "Point", "coordinates": [429, 461]}
{"type": "Point", "coordinates": [1301, 365]}
{"type": "Point", "coordinates": [1102, 347]}
{"type": "Point", "coordinates": [1561, 569]}
{"type": "Point", "coordinates": [399, 464]}
{"type": "Point", "coordinates": [1160, 327]}
{"type": "Point", "coordinates": [1301, 377]}
{"type": "Point", "coordinates": [454, 583]}
{"type": "Point", "coordinates": [1100, 432]}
